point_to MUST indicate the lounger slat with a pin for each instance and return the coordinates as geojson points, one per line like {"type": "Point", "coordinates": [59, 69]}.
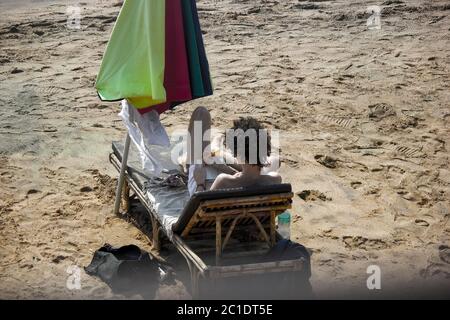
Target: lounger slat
{"type": "Point", "coordinates": [248, 200]}
{"type": "Point", "coordinates": [202, 216]}
{"type": "Point", "coordinates": [258, 207]}
{"type": "Point", "coordinates": [211, 230]}
{"type": "Point", "coordinates": [232, 212]}
{"type": "Point", "coordinates": [192, 222]}
{"type": "Point", "coordinates": [256, 268]}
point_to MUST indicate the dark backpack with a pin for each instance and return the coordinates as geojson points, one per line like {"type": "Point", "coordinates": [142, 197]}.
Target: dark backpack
{"type": "Point", "coordinates": [127, 270]}
{"type": "Point", "coordinates": [295, 285]}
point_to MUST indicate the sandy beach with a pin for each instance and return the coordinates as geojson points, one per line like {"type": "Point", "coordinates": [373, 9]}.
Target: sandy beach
{"type": "Point", "coordinates": [363, 116]}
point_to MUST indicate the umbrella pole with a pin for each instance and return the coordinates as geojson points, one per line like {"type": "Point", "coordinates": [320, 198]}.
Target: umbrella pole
{"type": "Point", "coordinates": [122, 175]}
{"type": "Point", "coordinates": [123, 168]}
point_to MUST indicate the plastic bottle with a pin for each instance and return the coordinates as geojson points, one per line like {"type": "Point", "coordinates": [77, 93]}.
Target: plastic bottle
{"type": "Point", "coordinates": [284, 225]}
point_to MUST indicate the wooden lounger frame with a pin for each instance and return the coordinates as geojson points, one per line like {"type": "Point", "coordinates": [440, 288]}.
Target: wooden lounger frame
{"type": "Point", "coordinates": [223, 215]}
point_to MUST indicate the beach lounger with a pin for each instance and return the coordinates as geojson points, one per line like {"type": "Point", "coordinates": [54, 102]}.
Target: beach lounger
{"type": "Point", "coordinates": [220, 233]}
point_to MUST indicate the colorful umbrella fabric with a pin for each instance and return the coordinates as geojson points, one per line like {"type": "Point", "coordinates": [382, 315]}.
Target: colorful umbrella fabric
{"type": "Point", "coordinates": [156, 63]}
{"type": "Point", "coordinates": [134, 61]}
{"type": "Point", "coordinates": [204, 66]}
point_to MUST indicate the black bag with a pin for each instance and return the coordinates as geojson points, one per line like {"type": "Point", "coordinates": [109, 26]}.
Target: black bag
{"type": "Point", "coordinates": [126, 270]}
{"type": "Point", "coordinates": [295, 285]}
{"type": "Point", "coordinates": [288, 250]}
{"type": "Point", "coordinates": [267, 286]}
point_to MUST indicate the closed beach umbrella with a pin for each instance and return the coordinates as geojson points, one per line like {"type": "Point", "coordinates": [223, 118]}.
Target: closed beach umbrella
{"type": "Point", "coordinates": [155, 57]}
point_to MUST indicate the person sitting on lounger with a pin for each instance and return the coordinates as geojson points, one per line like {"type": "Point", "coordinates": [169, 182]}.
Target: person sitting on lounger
{"type": "Point", "coordinates": [250, 157]}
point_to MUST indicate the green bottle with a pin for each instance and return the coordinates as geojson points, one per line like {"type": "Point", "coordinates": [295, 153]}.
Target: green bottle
{"type": "Point", "coordinates": [284, 225]}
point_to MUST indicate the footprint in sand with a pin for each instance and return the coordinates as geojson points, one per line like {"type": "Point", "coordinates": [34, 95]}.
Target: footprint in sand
{"type": "Point", "coordinates": [32, 191]}
{"type": "Point", "coordinates": [444, 253]}
{"type": "Point", "coordinates": [343, 122]}
{"type": "Point", "coordinates": [355, 184]}
{"type": "Point", "coordinates": [306, 6]}
{"type": "Point", "coordinates": [313, 195]}
{"type": "Point", "coordinates": [421, 223]}
{"type": "Point", "coordinates": [380, 111]}
{"type": "Point", "coordinates": [16, 70]}
{"type": "Point", "coordinates": [409, 152]}
{"type": "Point", "coordinates": [290, 162]}
{"type": "Point", "coordinates": [86, 189]}
{"type": "Point", "coordinates": [7, 175]}
{"type": "Point", "coordinates": [359, 242]}
{"type": "Point", "coordinates": [326, 161]}
{"type": "Point", "coordinates": [58, 259]}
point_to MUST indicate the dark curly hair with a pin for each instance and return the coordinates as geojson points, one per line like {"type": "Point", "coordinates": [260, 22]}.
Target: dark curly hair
{"type": "Point", "coordinates": [248, 132]}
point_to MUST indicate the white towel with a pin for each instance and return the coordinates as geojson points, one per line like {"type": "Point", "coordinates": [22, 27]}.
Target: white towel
{"type": "Point", "coordinates": [145, 130]}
